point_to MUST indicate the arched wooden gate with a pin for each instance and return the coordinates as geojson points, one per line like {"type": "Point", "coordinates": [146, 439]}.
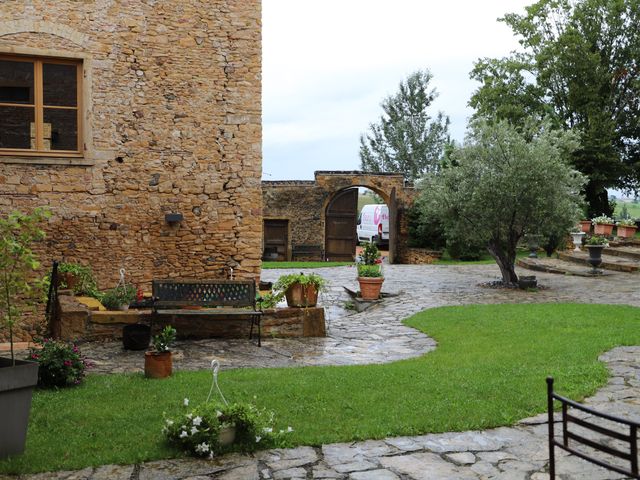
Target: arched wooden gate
{"type": "Point", "coordinates": [340, 226]}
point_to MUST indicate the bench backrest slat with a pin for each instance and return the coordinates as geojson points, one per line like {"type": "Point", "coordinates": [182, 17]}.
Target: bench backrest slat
{"type": "Point", "coordinates": [204, 293]}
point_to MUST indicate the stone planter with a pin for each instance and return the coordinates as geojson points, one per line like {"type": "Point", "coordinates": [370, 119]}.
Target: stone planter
{"type": "Point", "coordinates": [370, 287]}
{"type": "Point", "coordinates": [595, 256]}
{"type": "Point", "coordinates": [625, 231]}
{"type": "Point", "coordinates": [158, 365]}
{"type": "Point", "coordinates": [585, 225]}
{"type": "Point", "coordinates": [603, 229]}
{"type": "Point", "coordinates": [299, 295]}
{"type": "Point", "coordinates": [16, 387]}
{"type": "Point", "coordinates": [577, 240]}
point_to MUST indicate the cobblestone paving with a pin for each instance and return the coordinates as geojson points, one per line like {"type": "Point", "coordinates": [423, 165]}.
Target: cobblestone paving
{"type": "Point", "coordinates": [377, 335]}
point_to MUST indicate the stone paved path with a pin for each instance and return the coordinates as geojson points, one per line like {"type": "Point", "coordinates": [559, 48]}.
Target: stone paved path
{"type": "Point", "coordinates": [377, 335]}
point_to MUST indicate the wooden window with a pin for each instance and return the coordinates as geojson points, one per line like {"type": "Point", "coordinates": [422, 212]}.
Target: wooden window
{"type": "Point", "coordinates": [40, 107]}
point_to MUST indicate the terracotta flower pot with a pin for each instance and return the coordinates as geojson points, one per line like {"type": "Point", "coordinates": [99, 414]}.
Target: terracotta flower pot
{"type": "Point", "coordinates": [299, 295]}
{"type": "Point", "coordinates": [626, 231]}
{"type": "Point", "coordinates": [157, 365]}
{"type": "Point", "coordinates": [585, 225]}
{"type": "Point", "coordinates": [370, 287]}
{"type": "Point", "coordinates": [603, 229]}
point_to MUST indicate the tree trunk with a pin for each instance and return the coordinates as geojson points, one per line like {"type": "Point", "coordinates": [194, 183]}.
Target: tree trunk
{"type": "Point", "coordinates": [506, 263]}
{"type": "Point", "coordinates": [598, 200]}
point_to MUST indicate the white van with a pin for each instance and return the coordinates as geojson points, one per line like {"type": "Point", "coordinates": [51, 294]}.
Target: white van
{"type": "Point", "coordinates": [373, 224]}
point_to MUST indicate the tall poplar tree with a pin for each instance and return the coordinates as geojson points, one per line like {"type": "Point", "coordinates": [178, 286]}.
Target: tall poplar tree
{"type": "Point", "coordinates": [406, 139]}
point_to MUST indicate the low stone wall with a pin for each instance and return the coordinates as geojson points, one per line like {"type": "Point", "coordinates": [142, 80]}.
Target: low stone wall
{"type": "Point", "coordinates": [419, 256]}
{"type": "Point", "coordinates": [79, 322]}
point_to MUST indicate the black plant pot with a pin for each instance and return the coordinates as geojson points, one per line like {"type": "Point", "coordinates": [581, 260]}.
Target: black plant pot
{"type": "Point", "coordinates": [16, 388]}
{"type": "Point", "coordinates": [136, 336]}
{"type": "Point", "coordinates": [525, 282]}
{"type": "Point", "coordinates": [595, 255]}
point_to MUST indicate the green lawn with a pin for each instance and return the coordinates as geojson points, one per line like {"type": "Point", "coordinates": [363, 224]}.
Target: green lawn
{"type": "Point", "coordinates": [273, 265]}
{"type": "Point", "coordinates": [632, 208]}
{"type": "Point", "coordinates": [488, 370]}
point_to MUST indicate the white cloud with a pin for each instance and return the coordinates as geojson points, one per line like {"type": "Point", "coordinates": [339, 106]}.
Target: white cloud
{"type": "Point", "coordinates": [328, 64]}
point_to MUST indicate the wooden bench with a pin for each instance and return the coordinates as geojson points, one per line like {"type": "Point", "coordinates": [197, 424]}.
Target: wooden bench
{"type": "Point", "coordinates": [308, 251]}
{"type": "Point", "coordinates": [615, 443]}
{"type": "Point", "coordinates": [211, 298]}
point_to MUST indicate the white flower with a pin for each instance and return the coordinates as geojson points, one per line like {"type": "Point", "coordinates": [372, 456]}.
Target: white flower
{"type": "Point", "coordinates": [197, 421]}
{"type": "Point", "coordinates": [258, 439]}
{"type": "Point", "coordinates": [189, 416]}
{"type": "Point", "coordinates": [267, 430]}
{"type": "Point", "coordinates": [218, 413]}
{"type": "Point", "coordinates": [185, 402]}
{"type": "Point", "coordinates": [202, 448]}
{"type": "Point", "coordinates": [183, 434]}
{"type": "Point", "coordinates": [169, 422]}
{"type": "Point", "coordinates": [194, 430]}
{"type": "Point", "coordinates": [210, 455]}
{"type": "Point", "coordinates": [289, 429]}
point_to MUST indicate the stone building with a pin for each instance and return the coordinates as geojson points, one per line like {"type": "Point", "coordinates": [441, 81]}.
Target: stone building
{"type": "Point", "coordinates": [115, 113]}
{"type": "Point", "coordinates": [316, 220]}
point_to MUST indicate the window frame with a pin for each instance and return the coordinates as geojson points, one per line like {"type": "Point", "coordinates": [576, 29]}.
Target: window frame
{"type": "Point", "coordinates": [39, 107]}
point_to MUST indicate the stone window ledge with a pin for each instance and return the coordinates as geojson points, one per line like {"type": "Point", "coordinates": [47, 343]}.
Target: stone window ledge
{"type": "Point", "coordinates": [73, 161]}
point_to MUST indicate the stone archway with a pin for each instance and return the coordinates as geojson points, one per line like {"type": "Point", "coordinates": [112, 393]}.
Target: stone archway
{"type": "Point", "coordinates": [305, 203]}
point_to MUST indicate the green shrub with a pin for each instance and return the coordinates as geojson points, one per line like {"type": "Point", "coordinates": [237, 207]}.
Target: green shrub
{"type": "Point", "coordinates": [116, 297]}
{"type": "Point", "coordinates": [61, 363]}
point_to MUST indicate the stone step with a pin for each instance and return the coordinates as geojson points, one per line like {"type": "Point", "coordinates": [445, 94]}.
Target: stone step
{"type": "Point", "coordinates": [609, 262]}
{"type": "Point", "coordinates": [561, 267]}
{"type": "Point", "coordinates": [631, 252]}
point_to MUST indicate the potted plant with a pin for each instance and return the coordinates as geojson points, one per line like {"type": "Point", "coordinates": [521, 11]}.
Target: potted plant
{"type": "Point", "coordinates": [300, 290]}
{"type": "Point", "coordinates": [585, 226]}
{"type": "Point", "coordinates": [370, 275]}
{"type": "Point", "coordinates": [158, 362]}
{"type": "Point", "coordinates": [595, 245]}
{"type": "Point", "coordinates": [603, 225]}
{"type": "Point", "coordinates": [626, 228]}
{"type": "Point", "coordinates": [119, 298]}
{"type": "Point", "coordinates": [17, 378]}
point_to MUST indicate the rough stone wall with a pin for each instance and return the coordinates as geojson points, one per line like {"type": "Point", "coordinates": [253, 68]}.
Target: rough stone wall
{"type": "Point", "coordinates": [172, 124]}
{"type": "Point", "coordinates": [304, 203]}
{"type": "Point", "coordinates": [300, 202]}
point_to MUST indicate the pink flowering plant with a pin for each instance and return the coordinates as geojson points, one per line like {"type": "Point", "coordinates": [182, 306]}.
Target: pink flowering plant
{"type": "Point", "coordinates": [61, 363]}
{"type": "Point", "coordinates": [212, 428]}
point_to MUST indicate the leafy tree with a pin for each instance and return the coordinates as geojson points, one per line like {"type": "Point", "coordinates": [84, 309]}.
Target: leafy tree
{"type": "Point", "coordinates": [17, 263]}
{"type": "Point", "coordinates": [406, 139]}
{"type": "Point", "coordinates": [579, 65]}
{"type": "Point", "coordinates": [503, 184]}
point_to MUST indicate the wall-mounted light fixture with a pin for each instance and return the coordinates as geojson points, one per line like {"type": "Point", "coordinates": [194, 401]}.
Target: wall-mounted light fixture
{"type": "Point", "coordinates": [173, 218]}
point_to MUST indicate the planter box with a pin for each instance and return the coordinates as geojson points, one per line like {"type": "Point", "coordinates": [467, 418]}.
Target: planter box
{"type": "Point", "coordinates": [626, 231]}
{"type": "Point", "coordinates": [16, 388]}
{"type": "Point", "coordinates": [299, 295]}
{"type": "Point", "coordinates": [603, 229]}
{"type": "Point", "coordinates": [585, 225]}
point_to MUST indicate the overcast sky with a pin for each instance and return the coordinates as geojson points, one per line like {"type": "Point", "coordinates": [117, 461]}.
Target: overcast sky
{"type": "Point", "coordinates": [327, 66]}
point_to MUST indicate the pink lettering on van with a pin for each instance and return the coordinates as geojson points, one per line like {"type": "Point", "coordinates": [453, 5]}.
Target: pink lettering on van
{"type": "Point", "coordinates": [376, 216]}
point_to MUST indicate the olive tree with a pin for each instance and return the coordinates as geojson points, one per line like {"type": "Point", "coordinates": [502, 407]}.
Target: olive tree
{"type": "Point", "coordinates": [504, 183]}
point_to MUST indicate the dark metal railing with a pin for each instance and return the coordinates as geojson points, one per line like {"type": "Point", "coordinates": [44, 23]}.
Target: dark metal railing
{"type": "Point", "coordinates": [52, 310]}
{"type": "Point", "coordinates": [630, 439]}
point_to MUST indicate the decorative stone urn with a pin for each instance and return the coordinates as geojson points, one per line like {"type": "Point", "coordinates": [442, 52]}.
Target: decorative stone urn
{"type": "Point", "coordinates": [595, 257]}
{"type": "Point", "coordinates": [577, 240]}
